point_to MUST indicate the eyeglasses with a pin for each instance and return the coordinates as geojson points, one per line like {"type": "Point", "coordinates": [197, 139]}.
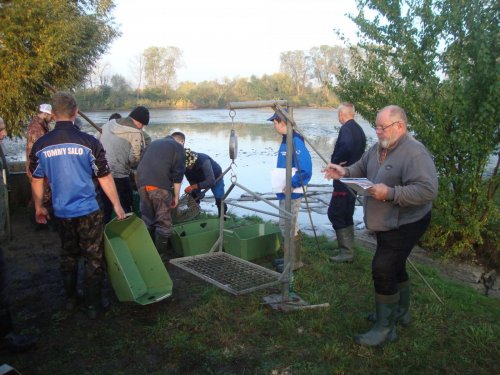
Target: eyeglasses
{"type": "Point", "coordinates": [382, 128]}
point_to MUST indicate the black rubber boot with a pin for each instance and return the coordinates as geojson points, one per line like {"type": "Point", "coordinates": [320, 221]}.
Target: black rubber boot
{"type": "Point", "coordinates": [403, 312]}
{"type": "Point", "coordinates": [163, 247]}
{"type": "Point", "coordinates": [69, 282]}
{"type": "Point", "coordinates": [93, 304]}
{"type": "Point", "coordinates": [345, 239]}
{"type": "Point", "coordinates": [384, 330]}
{"type": "Point", "coordinates": [17, 343]}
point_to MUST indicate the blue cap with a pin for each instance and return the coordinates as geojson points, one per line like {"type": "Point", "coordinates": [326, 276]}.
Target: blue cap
{"type": "Point", "coordinates": [276, 117]}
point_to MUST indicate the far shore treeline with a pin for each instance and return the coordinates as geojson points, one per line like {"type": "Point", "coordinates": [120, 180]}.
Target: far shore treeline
{"type": "Point", "coordinates": [118, 94]}
{"type": "Point", "coordinates": [305, 78]}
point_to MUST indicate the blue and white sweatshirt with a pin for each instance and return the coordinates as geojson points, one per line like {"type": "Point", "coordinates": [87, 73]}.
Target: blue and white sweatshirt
{"type": "Point", "coordinates": [69, 159]}
{"type": "Point", "coordinates": [301, 160]}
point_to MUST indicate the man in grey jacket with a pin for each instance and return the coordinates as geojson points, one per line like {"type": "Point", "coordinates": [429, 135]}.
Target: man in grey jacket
{"type": "Point", "coordinates": [123, 140]}
{"type": "Point", "coordinates": [398, 210]}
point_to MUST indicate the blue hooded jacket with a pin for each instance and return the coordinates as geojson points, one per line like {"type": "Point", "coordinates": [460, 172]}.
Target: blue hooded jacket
{"type": "Point", "coordinates": [301, 160]}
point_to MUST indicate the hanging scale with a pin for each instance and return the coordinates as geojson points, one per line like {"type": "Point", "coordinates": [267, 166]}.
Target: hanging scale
{"type": "Point", "coordinates": [233, 139]}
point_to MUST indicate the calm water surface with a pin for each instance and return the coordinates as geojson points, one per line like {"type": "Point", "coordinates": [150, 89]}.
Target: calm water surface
{"type": "Point", "coordinates": [208, 131]}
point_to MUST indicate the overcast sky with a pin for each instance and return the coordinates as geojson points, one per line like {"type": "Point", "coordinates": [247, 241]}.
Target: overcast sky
{"type": "Point", "coordinates": [225, 38]}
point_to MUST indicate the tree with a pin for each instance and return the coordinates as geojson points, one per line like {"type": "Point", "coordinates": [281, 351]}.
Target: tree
{"type": "Point", "coordinates": [119, 93]}
{"type": "Point", "coordinates": [438, 59]}
{"type": "Point", "coordinates": [160, 66]}
{"type": "Point", "coordinates": [137, 69]}
{"type": "Point", "coordinates": [53, 41]}
{"type": "Point", "coordinates": [326, 62]}
{"type": "Point", "coordinates": [100, 75]}
{"type": "Point", "coordinates": [295, 64]}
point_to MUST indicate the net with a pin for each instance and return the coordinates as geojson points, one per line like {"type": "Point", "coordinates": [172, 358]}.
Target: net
{"type": "Point", "coordinates": [186, 210]}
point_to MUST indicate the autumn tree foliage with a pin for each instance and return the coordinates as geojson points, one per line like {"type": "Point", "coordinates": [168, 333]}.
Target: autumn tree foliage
{"type": "Point", "coordinates": [47, 41]}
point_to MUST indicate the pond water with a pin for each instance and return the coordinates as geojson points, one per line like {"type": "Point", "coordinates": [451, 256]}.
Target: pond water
{"type": "Point", "coordinates": [208, 131]}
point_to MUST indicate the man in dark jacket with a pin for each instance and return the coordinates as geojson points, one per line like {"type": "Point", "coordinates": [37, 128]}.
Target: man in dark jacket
{"type": "Point", "coordinates": [160, 171]}
{"type": "Point", "coordinates": [202, 172]}
{"type": "Point", "coordinates": [348, 149]}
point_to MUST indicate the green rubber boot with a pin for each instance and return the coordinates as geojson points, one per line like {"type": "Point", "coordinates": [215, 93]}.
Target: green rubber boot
{"type": "Point", "coordinates": [403, 312]}
{"type": "Point", "coordinates": [345, 239]}
{"type": "Point", "coordinates": [384, 330]}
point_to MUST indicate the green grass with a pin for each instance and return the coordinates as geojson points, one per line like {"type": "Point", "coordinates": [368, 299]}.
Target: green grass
{"type": "Point", "coordinates": [213, 332]}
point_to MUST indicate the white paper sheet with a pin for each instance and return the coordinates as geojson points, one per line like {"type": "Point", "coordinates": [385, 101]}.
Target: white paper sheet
{"type": "Point", "coordinates": [278, 180]}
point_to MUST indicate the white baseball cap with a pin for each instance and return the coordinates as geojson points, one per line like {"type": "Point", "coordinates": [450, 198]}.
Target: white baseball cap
{"type": "Point", "coordinates": [46, 108]}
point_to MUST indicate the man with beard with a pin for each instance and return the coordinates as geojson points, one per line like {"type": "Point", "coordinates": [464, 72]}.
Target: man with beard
{"type": "Point", "coordinates": [398, 210]}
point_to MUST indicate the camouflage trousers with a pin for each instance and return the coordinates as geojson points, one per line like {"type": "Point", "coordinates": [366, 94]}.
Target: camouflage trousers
{"type": "Point", "coordinates": [83, 237]}
{"type": "Point", "coordinates": [156, 211]}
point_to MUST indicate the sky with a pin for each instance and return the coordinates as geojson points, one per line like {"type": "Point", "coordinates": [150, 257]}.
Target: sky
{"type": "Point", "coordinates": [225, 38]}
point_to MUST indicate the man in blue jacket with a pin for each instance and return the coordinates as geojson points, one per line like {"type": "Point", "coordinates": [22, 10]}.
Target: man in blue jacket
{"type": "Point", "coordinates": [348, 149]}
{"type": "Point", "coordinates": [69, 159]}
{"type": "Point", "coordinates": [301, 175]}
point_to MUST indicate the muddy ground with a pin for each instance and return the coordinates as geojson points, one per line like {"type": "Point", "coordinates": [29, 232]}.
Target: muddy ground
{"type": "Point", "coordinates": [37, 299]}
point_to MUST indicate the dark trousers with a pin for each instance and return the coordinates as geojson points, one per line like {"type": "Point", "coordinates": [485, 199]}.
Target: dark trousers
{"type": "Point", "coordinates": [125, 193]}
{"type": "Point", "coordinates": [393, 248]}
{"type": "Point", "coordinates": [341, 208]}
{"type": "Point", "coordinates": [5, 319]}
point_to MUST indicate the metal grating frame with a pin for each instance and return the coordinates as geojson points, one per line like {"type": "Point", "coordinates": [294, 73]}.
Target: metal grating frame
{"type": "Point", "coordinates": [234, 275]}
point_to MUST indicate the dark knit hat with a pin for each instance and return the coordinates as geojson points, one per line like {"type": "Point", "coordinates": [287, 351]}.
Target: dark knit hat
{"type": "Point", "coordinates": [140, 114]}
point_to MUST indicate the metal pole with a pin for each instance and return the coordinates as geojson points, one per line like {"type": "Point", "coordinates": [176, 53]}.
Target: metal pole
{"type": "Point", "coordinates": [425, 281]}
{"type": "Point", "coordinates": [296, 128]}
{"type": "Point", "coordinates": [257, 104]}
{"type": "Point", "coordinates": [288, 243]}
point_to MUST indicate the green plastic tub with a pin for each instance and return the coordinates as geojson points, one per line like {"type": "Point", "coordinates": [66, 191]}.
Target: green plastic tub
{"type": "Point", "coordinates": [135, 268]}
{"type": "Point", "coordinates": [252, 241]}
{"type": "Point", "coordinates": [195, 237]}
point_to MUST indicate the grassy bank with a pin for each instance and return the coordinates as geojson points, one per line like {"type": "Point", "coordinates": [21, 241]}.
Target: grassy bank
{"type": "Point", "coordinates": [204, 330]}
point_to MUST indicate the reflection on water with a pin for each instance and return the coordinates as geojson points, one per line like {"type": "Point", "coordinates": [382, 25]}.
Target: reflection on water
{"type": "Point", "coordinates": [208, 131]}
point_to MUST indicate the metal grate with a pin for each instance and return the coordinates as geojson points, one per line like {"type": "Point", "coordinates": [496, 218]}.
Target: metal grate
{"type": "Point", "coordinates": [234, 275]}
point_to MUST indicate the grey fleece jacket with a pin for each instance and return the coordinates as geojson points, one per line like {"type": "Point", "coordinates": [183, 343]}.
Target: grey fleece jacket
{"type": "Point", "coordinates": [409, 172]}
{"type": "Point", "coordinates": [123, 144]}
